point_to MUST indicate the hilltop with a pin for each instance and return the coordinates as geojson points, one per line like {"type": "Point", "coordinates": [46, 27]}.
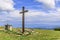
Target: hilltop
{"type": "Point", "coordinates": [38, 34]}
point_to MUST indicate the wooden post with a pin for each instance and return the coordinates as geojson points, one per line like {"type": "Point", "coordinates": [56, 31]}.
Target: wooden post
{"type": "Point", "coordinates": [23, 19]}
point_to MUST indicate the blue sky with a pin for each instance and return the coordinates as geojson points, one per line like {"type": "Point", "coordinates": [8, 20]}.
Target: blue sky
{"type": "Point", "coordinates": [41, 13]}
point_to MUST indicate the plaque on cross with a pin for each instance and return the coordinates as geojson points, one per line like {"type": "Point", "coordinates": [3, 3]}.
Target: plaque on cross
{"type": "Point", "coordinates": [23, 15]}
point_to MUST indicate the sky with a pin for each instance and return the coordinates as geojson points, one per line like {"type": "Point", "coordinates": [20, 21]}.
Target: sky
{"type": "Point", "coordinates": [41, 13]}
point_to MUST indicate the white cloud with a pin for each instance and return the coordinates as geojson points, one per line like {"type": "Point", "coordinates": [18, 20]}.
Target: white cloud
{"type": "Point", "coordinates": [48, 3]}
{"type": "Point", "coordinates": [14, 13]}
{"type": "Point", "coordinates": [35, 13]}
{"type": "Point", "coordinates": [7, 10]}
{"type": "Point", "coordinates": [32, 15]}
{"type": "Point", "coordinates": [51, 17]}
{"type": "Point", "coordinates": [6, 5]}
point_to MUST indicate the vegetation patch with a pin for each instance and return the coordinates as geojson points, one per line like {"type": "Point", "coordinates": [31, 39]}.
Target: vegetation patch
{"type": "Point", "coordinates": [35, 34]}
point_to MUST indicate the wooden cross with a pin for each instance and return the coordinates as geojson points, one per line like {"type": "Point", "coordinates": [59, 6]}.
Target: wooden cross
{"type": "Point", "coordinates": [23, 24]}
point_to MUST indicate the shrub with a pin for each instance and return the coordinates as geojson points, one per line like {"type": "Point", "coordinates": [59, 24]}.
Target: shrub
{"type": "Point", "coordinates": [57, 29]}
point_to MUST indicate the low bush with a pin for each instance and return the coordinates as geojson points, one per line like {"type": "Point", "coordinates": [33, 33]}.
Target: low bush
{"type": "Point", "coordinates": [57, 29]}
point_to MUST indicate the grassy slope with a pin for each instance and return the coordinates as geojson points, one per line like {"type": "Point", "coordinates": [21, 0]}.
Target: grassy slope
{"type": "Point", "coordinates": [37, 35]}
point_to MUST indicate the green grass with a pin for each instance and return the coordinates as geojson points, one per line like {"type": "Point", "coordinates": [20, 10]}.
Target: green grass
{"type": "Point", "coordinates": [36, 35]}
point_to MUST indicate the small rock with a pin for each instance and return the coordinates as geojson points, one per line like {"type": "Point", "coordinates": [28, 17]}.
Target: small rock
{"type": "Point", "coordinates": [37, 32]}
{"type": "Point", "coordinates": [32, 31]}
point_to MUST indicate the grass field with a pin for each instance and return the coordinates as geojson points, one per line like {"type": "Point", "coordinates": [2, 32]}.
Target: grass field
{"type": "Point", "coordinates": [36, 35]}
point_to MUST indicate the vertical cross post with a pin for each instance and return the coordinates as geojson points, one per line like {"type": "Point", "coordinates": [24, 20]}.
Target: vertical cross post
{"type": "Point", "coordinates": [23, 18]}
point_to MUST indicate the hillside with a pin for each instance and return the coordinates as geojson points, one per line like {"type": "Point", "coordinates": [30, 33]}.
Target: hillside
{"type": "Point", "coordinates": [36, 35]}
